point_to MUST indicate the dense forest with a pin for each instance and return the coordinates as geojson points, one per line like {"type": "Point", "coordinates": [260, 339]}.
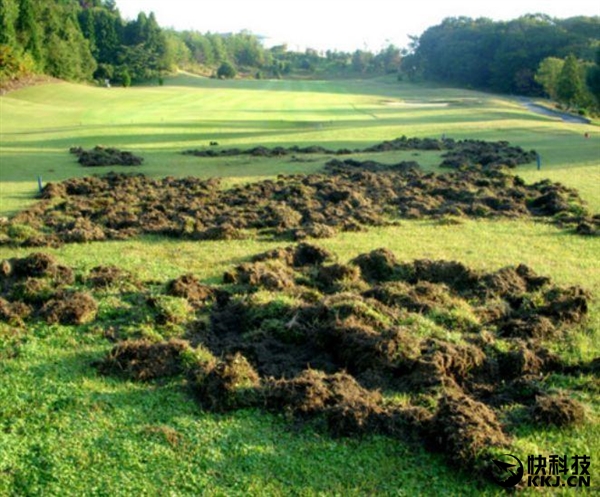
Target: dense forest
{"type": "Point", "coordinates": [532, 55]}
{"type": "Point", "coordinates": [85, 40]}
{"type": "Point", "coordinates": [89, 40]}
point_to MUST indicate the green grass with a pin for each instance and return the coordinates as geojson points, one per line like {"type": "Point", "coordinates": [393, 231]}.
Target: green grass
{"type": "Point", "coordinates": [65, 430]}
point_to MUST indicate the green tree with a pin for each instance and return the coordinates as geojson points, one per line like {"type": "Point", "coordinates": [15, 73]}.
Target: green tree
{"type": "Point", "coordinates": [361, 60]}
{"type": "Point", "coordinates": [29, 32]}
{"type": "Point", "coordinates": [226, 71]}
{"type": "Point", "coordinates": [593, 79]}
{"type": "Point", "coordinates": [548, 74]}
{"type": "Point", "coordinates": [66, 52]}
{"type": "Point", "coordinates": [569, 88]}
{"type": "Point", "coordinates": [501, 56]}
{"type": "Point", "coordinates": [9, 13]}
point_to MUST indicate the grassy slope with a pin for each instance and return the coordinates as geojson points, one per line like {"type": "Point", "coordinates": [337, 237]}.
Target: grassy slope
{"type": "Point", "coordinates": [64, 430]}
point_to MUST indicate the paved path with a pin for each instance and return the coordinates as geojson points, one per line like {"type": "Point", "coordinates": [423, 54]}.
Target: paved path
{"type": "Point", "coordinates": [540, 109]}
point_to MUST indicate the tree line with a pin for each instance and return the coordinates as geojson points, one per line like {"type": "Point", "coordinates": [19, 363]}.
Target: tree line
{"type": "Point", "coordinates": [83, 40]}
{"type": "Point", "coordinates": [532, 55]}
{"type": "Point", "coordinates": [79, 40]}
{"type": "Point", "coordinates": [86, 40]}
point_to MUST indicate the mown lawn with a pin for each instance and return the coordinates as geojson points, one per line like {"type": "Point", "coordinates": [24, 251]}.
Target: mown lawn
{"type": "Point", "coordinates": [65, 430]}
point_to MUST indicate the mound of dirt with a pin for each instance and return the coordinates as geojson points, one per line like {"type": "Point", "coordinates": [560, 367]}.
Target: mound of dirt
{"type": "Point", "coordinates": [377, 266]}
{"type": "Point", "coordinates": [67, 307]}
{"type": "Point", "coordinates": [303, 254]}
{"type": "Point", "coordinates": [32, 290]}
{"type": "Point", "coordinates": [119, 206]}
{"type": "Point", "coordinates": [459, 153]}
{"type": "Point", "coordinates": [269, 275]}
{"type": "Point", "coordinates": [37, 265]}
{"type": "Point", "coordinates": [14, 312]}
{"type": "Point", "coordinates": [107, 276]}
{"type": "Point", "coordinates": [297, 331]}
{"type": "Point", "coordinates": [105, 156]}
{"type": "Point", "coordinates": [465, 428]}
{"type": "Point", "coordinates": [336, 166]}
{"type": "Point", "coordinates": [487, 154]}
{"type": "Point", "coordinates": [350, 196]}
{"type": "Point", "coordinates": [142, 360]}
{"type": "Point", "coordinates": [557, 410]}
{"type": "Point", "coordinates": [229, 384]}
{"type": "Point", "coordinates": [35, 286]}
{"type": "Point", "coordinates": [347, 408]}
{"type": "Point", "coordinates": [188, 287]}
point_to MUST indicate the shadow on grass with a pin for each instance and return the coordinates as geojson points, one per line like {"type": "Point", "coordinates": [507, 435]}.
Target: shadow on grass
{"type": "Point", "coordinates": [160, 426]}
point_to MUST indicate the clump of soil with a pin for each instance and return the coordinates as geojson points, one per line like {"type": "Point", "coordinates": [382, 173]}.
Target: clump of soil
{"type": "Point", "coordinates": [336, 166]}
{"type": "Point", "coordinates": [337, 277]}
{"type": "Point", "coordinates": [108, 276]}
{"type": "Point", "coordinates": [347, 408]}
{"type": "Point", "coordinates": [188, 287]}
{"type": "Point", "coordinates": [229, 384]}
{"type": "Point", "coordinates": [377, 266]}
{"type": "Point", "coordinates": [105, 156]}
{"type": "Point", "coordinates": [557, 410]}
{"type": "Point", "coordinates": [487, 154]}
{"type": "Point", "coordinates": [303, 254]}
{"type": "Point", "coordinates": [37, 265]}
{"type": "Point", "coordinates": [32, 290]}
{"type": "Point", "coordinates": [70, 308]}
{"type": "Point", "coordinates": [142, 360]}
{"type": "Point", "coordinates": [14, 312]}
{"type": "Point", "coordinates": [272, 276]}
{"type": "Point", "coordinates": [297, 331]}
{"type": "Point", "coordinates": [459, 153]}
{"type": "Point", "coordinates": [35, 286]}
{"type": "Point", "coordinates": [349, 196]}
{"type": "Point", "coordinates": [465, 428]}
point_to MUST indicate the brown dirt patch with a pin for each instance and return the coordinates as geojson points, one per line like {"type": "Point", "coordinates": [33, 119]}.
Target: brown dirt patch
{"type": "Point", "coordinates": [229, 384]}
{"type": "Point", "coordinates": [70, 308]}
{"type": "Point", "coordinates": [349, 196]}
{"type": "Point", "coordinates": [458, 153]}
{"type": "Point", "coordinates": [346, 407]}
{"type": "Point", "coordinates": [269, 275]}
{"type": "Point", "coordinates": [378, 265]}
{"type": "Point", "coordinates": [142, 360]}
{"type": "Point", "coordinates": [38, 265]}
{"type": "Point", "coordinates": [465, 428]}
{"type": "Point", "coordinates": [105, 156]}
{"type": "Point", "coordinates": [14, 312]}
{"type": "Point", "coordinates": [109, 276]}
{"type": "Point", "coordinates": [557, 410]}
{"type": "Point", "coordinates": [36, 286]}
{"type": "Point", "coordinates": [190, 288]}
{"type": "Point", "coordinates": [337, 344]}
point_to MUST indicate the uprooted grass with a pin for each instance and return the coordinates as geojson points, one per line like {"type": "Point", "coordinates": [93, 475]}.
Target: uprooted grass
{"type": "Point", "coordinates": [331, 346]}
{"type": "Point", "coordinates": [105, 156]}
{"type": "Point", "coordinates": [350, 197]}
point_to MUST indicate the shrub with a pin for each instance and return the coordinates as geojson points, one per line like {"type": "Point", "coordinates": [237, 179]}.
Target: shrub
{"type": "Point", "coordinates": [226, 71]}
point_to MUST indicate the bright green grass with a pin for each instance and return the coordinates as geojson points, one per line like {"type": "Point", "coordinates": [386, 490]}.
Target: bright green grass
{"type": "Point", "coordinates": [39, 124]}
{"type": "Point", "coordinates": [66, 431]}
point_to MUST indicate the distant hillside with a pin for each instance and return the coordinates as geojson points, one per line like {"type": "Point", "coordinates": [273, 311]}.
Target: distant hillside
{"type": "Point", "coordinates": [503, 56]}
{"type": "Point", "coordinates": [78, 41]}
{"type": "Point", "coordinates": [85, 40]}
{"type": "Point", "coordinates": [82, 40]}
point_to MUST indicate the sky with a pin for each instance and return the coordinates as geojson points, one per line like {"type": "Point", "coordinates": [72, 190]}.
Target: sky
{"type": "Point", "coordinates": [344, 25]}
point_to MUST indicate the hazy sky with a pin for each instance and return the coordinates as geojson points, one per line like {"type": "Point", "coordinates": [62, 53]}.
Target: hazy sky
{"type": "Point", "coordinates": [339, 24]}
